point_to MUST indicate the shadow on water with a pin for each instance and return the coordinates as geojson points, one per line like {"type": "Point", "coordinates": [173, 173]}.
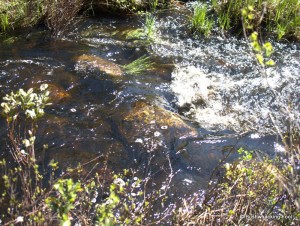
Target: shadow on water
{"type": "Point", "coordinates": [204, 99]}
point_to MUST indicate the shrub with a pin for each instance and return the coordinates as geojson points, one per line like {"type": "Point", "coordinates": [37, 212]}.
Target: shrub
{"type": "Point", "coordinates": [60, 14]}
{"type": "Point", "coordinates": [127, 6]}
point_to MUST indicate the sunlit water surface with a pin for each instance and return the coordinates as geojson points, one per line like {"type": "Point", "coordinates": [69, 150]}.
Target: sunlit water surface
{"type": "Point", "coordinates": [219, 97]}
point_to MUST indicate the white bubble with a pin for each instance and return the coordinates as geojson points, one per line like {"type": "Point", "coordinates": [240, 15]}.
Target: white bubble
{"type": "Point", "coordinates": [139, 140]}
{"type": "Point", "coordinates": [254, 136]}
{"type": "Point", "coordinates": [278, 147]}
{"type": "Point", "coordinates": [157, 134]}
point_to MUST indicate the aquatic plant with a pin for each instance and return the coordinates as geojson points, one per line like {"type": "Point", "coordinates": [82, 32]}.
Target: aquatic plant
{"type": "Point", "coordinates": [200, 22]}
{"type": "Point", "coordinates": [148, 32]}
{"type": "Point", "coordinates": [139, 66]}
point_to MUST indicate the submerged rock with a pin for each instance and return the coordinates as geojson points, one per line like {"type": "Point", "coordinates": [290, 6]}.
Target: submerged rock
{"type": "Point", "coordinates": [94, 62]}
{"type": "Point", "coordinates": [57, 93]}
{"type": "Point", "coordinates": [148, 114]}
{"type": "Point", "coordinates": [145, 117]}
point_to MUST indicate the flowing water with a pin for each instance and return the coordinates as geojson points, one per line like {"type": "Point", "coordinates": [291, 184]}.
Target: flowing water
{"type": "Point", "coordinates": [204, 98]}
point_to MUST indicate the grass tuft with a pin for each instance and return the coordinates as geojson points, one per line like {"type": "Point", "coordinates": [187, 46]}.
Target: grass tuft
{"type": "Point", "coordinates": [200, 22]}
{"type": "Point", "coordinates": [139, 66]}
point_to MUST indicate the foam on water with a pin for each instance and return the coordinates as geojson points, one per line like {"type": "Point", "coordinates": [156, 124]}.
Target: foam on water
{"type": "Point", "coordinates": [219, 101]}
{"type": "Point", "coordinates": [218, 83]}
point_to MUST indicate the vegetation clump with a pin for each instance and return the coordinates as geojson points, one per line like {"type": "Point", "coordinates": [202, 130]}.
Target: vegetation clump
{"type": "Point", "coordinates": [139, 66]}
{"type": "Point", "coordinates": [59, 15]}
{"type": "Point", "coordinates": [128, 6]}
{"type": "Point", "coordinates": [249, 193]}
{"type": "Point", "coordinates": [56, 15]}
{"type": "Point", "coordinates": [200, 21]}
{"type": "Point", "coordinates": [278, 17]}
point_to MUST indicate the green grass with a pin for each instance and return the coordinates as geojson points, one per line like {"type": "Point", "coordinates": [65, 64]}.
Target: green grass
{"type": "Point", "coordinates": [139, 66]}
{"type": "Point", "coordinates": [12, 14]}
{"type": "Point", "coordinates": [200, 22]}
{"type": "Point", "coordinates": [149, 28]}
{"type": "Point", "coordinates": [279, 17]}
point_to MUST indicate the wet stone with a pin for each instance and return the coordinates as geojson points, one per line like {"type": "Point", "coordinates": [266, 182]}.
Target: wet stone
{"type": "Point", "coordinates": [143, 115]}
{"type": "Point", "coordinates": [57, 93]}
{"type": "Point", "coordinates": [85, 62]}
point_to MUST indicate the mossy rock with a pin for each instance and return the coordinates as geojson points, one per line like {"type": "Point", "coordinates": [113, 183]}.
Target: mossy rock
{"type": "Point", "coordinates": [94, 62]}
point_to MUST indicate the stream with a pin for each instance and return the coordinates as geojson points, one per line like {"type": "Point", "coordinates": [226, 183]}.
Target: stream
{"type": "Point", "coordinates": [204, 98]}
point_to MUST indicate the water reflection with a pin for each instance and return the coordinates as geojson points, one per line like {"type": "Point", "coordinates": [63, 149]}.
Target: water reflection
{"type": "Point", "coordinates": [187, 116]}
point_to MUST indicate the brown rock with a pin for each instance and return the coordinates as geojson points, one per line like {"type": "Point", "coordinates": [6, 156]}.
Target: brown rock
{"type": "Point", "coordinates": [101, 64]}
{"type": "Point", "coordinates": [57, 93]}
{"type": "Point", "coordinates": [144, 115]}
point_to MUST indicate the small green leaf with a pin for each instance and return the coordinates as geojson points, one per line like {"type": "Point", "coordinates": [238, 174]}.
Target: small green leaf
{"type": "Point", "coordinates": [251, 8]}
{"type": "Point", "coordinates": [256, 46]}
{"type": "Point", "coordinates": [30, 113]}
{"type": "Point", "coordinates": [260, 59]}
{"type": "Point", "coordinates": [270, 63]}
{"type": "Point", "coordinates": [66, 223]}
{"type": "Point", "coordinates": [231, 212]}
{"type": "Point", "coordinates": [244, 12]}
{"type": "Point", "coordinates": [254, 36]}
{"type": "Point", "coordinates": [250, 16]}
